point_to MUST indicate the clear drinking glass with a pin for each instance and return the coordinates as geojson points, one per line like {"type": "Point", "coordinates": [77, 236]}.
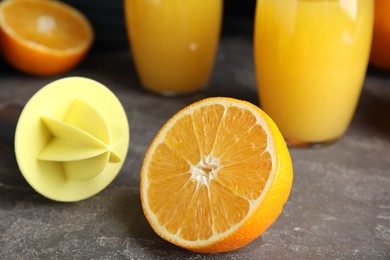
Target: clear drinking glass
{"type": "Point", "coordinates": [174, 42]}
{"type": "Point", "coordinates": [311, 58]}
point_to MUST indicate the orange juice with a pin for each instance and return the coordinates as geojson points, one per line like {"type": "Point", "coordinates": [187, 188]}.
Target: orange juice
{"type": "Point", "coordinates": [174, 42]}
{"type": "Point", "coordinates": [311, 57]}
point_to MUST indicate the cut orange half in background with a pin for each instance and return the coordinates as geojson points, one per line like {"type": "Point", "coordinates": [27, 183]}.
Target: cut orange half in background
{"type": "Point", "coordinates": [380, 48]}
{"type": "Point", "coordinates": [216, 176]}
{"type": "Point", "coordinates": [43, 37]}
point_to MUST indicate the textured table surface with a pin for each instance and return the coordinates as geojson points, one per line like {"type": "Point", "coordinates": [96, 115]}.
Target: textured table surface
{"type": "Point", "coordinates": [339, 207]}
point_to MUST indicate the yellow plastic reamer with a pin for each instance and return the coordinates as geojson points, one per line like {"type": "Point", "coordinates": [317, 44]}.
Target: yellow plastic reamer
{"type": "Point", "coordinates": [71, 139]}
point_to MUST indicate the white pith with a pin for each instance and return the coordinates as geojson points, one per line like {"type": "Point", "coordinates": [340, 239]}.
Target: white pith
{"type": "Point", "coordinates": [205, 171]}
{"type": "Point", "coordinates": [46, 24]}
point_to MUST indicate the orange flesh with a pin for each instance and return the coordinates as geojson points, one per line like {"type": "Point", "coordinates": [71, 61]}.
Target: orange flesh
{"type": "Point", "coordinates": [222, 167]}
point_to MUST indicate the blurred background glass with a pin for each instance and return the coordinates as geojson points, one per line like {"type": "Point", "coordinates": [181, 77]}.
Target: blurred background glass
{"type": "Point", "coordinates": [107, 18]}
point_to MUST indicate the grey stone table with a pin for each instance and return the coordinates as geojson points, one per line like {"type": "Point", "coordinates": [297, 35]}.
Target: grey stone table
{"type": "Point", "coordinates": [339, 207]}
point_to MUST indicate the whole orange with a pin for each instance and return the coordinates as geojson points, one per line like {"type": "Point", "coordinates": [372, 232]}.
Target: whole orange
{"type": "Point", "coordinates": [380, 50]}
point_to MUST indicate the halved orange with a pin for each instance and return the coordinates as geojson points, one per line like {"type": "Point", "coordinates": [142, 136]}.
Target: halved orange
{"type": "Point", "coordinates": [216, 176]}
{"type": "Point", "coordinates": [43, 37]}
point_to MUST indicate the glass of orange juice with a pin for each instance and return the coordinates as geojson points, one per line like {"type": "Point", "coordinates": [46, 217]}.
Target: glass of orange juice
{"type": "Point", "coordinates": [174, 42]}
{"type": "Point", "coordinates": [311, 58]}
